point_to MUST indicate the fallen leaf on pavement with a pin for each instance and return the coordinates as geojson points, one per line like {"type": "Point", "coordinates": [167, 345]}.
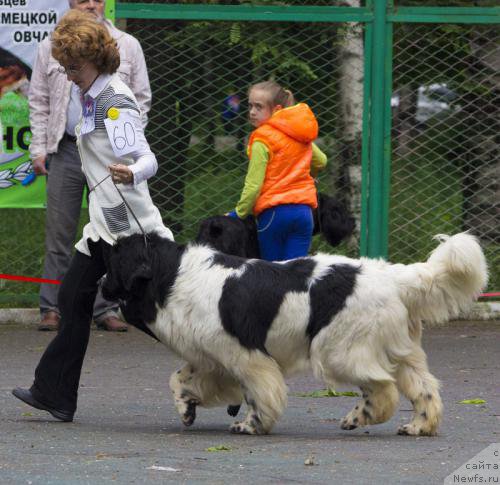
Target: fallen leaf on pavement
{"type": "Point", "coordinates": [219, 448]}
{"type": "Point", "coordinates": [472, 401]}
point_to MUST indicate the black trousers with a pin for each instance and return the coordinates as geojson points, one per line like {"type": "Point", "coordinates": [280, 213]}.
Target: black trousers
{"type": "Point", "coordinates": [57, 375]}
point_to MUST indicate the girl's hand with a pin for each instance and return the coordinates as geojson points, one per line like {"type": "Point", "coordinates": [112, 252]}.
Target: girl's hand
{"type": "Point", "coordinates": [121, 174]}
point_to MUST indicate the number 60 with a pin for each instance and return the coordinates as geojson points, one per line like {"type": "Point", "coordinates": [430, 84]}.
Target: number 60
{"type": "Point", "coordinates": [125, 138]}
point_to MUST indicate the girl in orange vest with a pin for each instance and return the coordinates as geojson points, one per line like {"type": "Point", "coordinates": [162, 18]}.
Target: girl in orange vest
{"type": "Point", "coordinates": [279, 186]}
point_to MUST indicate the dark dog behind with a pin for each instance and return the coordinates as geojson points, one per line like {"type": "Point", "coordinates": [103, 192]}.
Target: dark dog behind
{"type": "Point", "coordinates": [239, 237]}
{"type": "Point", "coordinates": [230, 235]}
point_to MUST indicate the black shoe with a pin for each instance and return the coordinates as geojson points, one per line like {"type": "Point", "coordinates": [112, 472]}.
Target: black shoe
{"type": "Point", "coordinates": [26, 396]}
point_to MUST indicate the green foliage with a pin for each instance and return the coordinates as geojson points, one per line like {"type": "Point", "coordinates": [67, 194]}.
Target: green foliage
{"type": "Point", "coordinates": [235, 33]}
{"type": "Point", "coordinates": [427, 197]}
{"type": "Point", "coordinates": [433, 54]}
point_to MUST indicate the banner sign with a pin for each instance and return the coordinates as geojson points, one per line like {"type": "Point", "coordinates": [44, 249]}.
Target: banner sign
{"type": "Point", "coordinates": [23, 24]}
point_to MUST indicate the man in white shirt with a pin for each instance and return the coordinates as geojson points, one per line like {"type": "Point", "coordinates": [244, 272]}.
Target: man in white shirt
{"type": "Point", "coordinates": [55, 110]}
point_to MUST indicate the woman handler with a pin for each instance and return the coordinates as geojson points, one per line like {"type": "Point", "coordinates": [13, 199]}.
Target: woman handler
{"type": "Point", "coordinates": [117, 161]}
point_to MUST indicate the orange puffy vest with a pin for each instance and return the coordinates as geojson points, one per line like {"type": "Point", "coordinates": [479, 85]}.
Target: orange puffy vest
{"type": "Point", "coordinates": [288, 135]}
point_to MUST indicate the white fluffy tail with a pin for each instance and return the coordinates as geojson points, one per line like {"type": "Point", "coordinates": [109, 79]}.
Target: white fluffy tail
{"type": "Point", "coordinates": [448, 283]}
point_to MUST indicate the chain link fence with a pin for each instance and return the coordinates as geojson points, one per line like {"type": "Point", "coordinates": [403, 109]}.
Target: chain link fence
{"type": "Point", "coordinates": [444, 174]}
{"type": "Point", "coordinates": [446, 126]}
{"type": "Point", "coordinates": [200, 74]}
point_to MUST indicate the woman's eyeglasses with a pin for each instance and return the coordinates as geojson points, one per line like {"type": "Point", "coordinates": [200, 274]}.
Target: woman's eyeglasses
{"type": "Point", "coordinates": [71, 70]}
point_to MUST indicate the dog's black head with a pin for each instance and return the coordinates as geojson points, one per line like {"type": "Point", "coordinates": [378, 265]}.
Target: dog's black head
{"type": "Point", "coordinates": [140, 273]}
{"type": "Point", "coordinates": [129, 268]}
{"type": "Point", "coordinates": [229, 235]}
{"type": "Point", "coordinates": [333, 220]}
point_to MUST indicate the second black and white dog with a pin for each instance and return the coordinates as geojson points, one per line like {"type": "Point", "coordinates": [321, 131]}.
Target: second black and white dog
{"type": "Point", "coordinates": [244, 325]}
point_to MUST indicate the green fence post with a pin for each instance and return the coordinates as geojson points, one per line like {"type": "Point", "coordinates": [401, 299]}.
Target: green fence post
{"type": "Point", "coordinates": [388, 66]}
{"type": "Point", "coordinates": [379, 143]}
{"type": "Point", "coordinates": [365, 137]}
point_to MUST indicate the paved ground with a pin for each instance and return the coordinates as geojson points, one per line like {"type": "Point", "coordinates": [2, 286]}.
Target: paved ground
{"type": "Point", "coordinates": [127, 431]}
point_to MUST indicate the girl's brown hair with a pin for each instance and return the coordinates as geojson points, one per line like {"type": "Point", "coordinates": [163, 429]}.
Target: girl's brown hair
{"type": "Point", "coordinates": [277, 94]}
{"type": "Point", "coordinates": [78, 36]}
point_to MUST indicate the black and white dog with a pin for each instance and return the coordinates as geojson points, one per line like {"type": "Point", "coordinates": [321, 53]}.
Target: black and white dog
{"type": "Point", "coordinates": [239, 237]}
{"type": "Point", "coordinates": [243, 325]}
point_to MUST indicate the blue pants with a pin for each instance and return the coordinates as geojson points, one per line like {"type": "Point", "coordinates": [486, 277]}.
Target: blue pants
{"type": "Point", "coordinates": [285, 232]}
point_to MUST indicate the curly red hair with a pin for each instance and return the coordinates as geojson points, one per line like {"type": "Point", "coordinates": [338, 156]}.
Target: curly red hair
{"type": "Point", "coordinates": [78, 36]}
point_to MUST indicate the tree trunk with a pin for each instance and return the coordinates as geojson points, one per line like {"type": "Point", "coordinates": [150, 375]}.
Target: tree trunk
{"type": "Point", "coordinates": [351, 76]}
{"type": "Point", "coordinates": [404, 119]}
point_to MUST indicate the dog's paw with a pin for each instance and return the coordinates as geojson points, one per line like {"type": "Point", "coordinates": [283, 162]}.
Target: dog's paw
{"type": "Point", "coordinates": [242, 428]}
{"type": "Point", "coordinates": [412, 429]}
{"type": "Point", "coordinates": [189, 414]}
{"type": "Point", "coordinates": [233, 409]}
{"type": "Point", "coordinates": [349, 423]}
{"type": "Point", "coordinates": [251, 425]}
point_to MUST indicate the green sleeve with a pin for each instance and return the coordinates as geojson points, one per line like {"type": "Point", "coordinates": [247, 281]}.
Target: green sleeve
{"type": "Point", "coordinates": [319, 160]}
{"type": "Point", "coordinates": [253, 181]}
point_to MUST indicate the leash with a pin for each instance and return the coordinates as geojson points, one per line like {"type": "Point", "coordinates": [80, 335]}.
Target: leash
{"type": "Point", "coordinates": [145, 236]}
{"type": "Point", "coordinates": [126, 205]}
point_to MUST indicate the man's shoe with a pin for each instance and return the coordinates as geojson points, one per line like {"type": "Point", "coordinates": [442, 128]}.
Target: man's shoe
{"type": "Point", "coordinates": [112, 324]}
{"type": "Point", "coordinates": [49, 321]}
{"type": "Point", "coordinates": [26, 396]}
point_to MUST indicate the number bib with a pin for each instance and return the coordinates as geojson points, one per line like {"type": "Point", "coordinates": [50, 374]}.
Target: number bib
{"type": "Point", "coordinates": [124, 132]}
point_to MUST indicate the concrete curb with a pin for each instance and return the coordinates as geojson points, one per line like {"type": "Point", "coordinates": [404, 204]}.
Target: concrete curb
{"type": "Point", "coordinates": [31, 316]}
{"type": "Point", "coordinates": [25, 316]}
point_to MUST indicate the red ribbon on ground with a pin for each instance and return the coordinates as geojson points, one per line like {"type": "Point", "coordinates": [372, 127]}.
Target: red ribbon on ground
{"type": "Point", "coordinates": [26, 278]}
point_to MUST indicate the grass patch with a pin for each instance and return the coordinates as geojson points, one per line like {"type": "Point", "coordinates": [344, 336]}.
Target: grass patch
{"type": "Point", "coordinates": [426, 199]}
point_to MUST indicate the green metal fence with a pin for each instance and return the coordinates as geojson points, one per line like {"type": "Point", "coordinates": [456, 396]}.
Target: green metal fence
{"type": "Point", "coordinates": [406, 97]}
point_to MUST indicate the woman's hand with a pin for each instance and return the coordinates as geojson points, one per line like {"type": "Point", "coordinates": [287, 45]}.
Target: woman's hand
{"type": "Point", "coordinates": [121, 174]}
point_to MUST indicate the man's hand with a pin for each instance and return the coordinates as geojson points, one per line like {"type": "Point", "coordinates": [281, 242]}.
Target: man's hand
{"type": "Point", "coordinates": [39, 165]}
{"type": "Point", "coordinates": [121, 174]}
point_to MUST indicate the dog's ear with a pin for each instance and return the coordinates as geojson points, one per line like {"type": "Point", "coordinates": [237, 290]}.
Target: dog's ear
{"type": "Point", "coordinates": [142, 272]}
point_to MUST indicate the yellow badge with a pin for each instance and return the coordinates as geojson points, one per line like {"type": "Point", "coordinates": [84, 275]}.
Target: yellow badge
{"type": "Point", "coordinates": [113, 113]}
